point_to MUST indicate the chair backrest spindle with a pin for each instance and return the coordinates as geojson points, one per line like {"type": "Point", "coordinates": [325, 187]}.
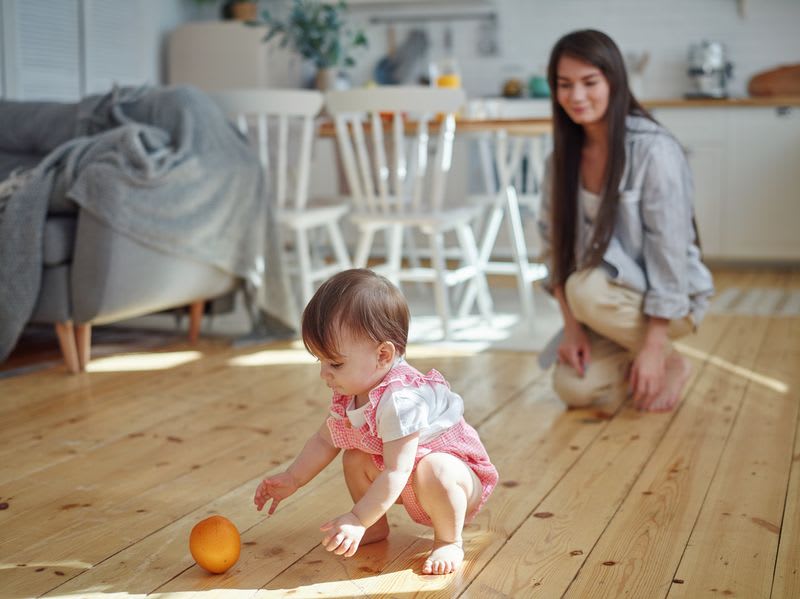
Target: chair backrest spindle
{"type": "Point", "coordinates": [412, 180]}
{"type": "Point", "coordinates": [285, 157]}
{"type": "Point", "coordinates": [400, 171]}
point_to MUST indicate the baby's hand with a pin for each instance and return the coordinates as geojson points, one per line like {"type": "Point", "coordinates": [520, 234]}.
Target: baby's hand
{"type": "Point", "coordinates": [277, 488]}
{"type": "Point", "coordinates": [343, 534]}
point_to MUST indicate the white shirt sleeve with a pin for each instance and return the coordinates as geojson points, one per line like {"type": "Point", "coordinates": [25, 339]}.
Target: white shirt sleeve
{"type": "Point", "coordinates": [429, 410]}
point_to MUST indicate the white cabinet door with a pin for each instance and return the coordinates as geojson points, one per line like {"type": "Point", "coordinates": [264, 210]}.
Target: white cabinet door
{"type": "Point", "coordinates": [114, 32]}
{"type": "Point", "coordinates": [762, 209]}
{"type": "Point", "coordinates": [42, 50]}
{"type": "Point", "coordinates": [703, 133]}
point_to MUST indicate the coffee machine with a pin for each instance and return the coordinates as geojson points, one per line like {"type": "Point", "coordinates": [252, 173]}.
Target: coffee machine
{"type": "Point", "coordinates": [709, 70]}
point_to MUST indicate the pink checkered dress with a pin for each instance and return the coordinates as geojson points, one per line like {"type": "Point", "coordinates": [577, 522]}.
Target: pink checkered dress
{"type": "Point", "coordinates": [460, 440]}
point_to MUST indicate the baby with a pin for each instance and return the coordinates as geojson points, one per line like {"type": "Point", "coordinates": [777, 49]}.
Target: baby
{"type": "Point", "coordinates": [403, 432]}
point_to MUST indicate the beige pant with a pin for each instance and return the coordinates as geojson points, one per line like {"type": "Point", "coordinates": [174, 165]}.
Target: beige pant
{"type": "Point", "coordinates": [616, 327]}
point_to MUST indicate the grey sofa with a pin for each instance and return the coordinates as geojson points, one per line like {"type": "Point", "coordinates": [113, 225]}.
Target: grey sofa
{"type": "Point", "coordinates": [138, 201]}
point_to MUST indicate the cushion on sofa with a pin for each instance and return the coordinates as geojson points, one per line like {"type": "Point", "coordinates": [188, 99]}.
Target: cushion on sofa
{"type": "Point", "coordinates": [59, 239]}
{"type": "Point", "coordinates": [53, 303]}
{"type": "Point", "coordinates": [10, 161]}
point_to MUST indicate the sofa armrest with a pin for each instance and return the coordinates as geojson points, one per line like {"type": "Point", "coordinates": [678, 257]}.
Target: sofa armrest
{"type": "Point", "coordinates": [114, 277]}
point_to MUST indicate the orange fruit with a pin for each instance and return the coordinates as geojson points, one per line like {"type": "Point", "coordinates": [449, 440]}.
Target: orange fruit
{"type": "Point", "coordinates": [215, 544]}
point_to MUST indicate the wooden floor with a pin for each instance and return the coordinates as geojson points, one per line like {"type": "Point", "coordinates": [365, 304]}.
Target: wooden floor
{"type": "Point", "coordinates": [103, 475]}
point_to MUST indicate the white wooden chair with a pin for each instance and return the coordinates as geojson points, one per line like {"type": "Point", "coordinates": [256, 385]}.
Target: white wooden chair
{"type": "Point", "coordinates": [281, 125]}
{"type": "Point", "coordinates": [397, 182]}
{"type": "Point", "coordinates": [509, 187]}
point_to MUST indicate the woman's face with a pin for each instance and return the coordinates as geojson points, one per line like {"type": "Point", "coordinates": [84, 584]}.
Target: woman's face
{"type": "Point", "coordinates": [582, 90]}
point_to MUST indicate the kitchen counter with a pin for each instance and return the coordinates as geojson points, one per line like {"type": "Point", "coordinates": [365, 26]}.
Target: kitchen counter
{"type": "Point", "coordinates": [538, 109]}
{"type": "Point", "coordinates": [776, 101]}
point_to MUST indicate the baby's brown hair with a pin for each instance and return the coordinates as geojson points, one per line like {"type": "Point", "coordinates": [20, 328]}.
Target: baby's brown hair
{"type": "Point", "coordinates": [360, 302]}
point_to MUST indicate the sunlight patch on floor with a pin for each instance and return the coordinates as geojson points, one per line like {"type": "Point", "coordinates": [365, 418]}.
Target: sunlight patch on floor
{"type": "Point", "coordinates": [766, 381]}
{"type": "Point", "coordinates": [98, 593]}
{"type": "Point", "coordinates": [273, 357]}
{"type": "Point", "coordinates": [398, 584]}
{"type": "Point", "coordinates": [143, 361]}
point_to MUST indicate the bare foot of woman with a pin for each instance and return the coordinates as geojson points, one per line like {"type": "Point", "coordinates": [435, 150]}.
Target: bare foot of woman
{"type": "Point", "coordinates": [677, 373]}
{"type": "Point", "coordinates": [444, 558]}
{"type": "Point", "coordinates": [377, 532]}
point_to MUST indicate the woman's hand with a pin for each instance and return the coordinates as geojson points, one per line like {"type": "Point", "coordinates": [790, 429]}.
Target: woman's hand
{"type": "Point", "coordinates": [575, 347]}
{"type": "Point", "coordinates": [277, 488]}
{"type": "Point", "coordinates": [650, 365]}
{"type": "Point", "coordinates": [343, 534]}
{"type": "Point", "coordinates": [647, 375]}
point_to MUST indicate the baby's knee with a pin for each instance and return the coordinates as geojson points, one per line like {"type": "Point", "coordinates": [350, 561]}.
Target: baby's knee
{"type": "Point", "coordinates": [429, 470]}
{"type": "Point", "coordinates": [355, 459]}
{"type": "Point", "coordinates": [437, 470]}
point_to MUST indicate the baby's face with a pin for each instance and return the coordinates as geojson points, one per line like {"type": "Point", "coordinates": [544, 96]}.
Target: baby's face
{"type": "Point", "coordinates": [358, 369]}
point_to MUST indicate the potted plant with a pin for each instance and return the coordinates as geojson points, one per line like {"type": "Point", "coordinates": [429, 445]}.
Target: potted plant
{"type": "Point", "coordinates": [318, 32]}
{"type": "Point", "coordinates": [240, 10]}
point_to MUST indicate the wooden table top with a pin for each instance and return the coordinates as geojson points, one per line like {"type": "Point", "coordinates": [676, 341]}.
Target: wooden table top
{"type": "Point", "coordinates": [524, 127]}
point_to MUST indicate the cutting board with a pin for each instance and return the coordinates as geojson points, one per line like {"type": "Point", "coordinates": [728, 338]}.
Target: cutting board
{"type": "Point", "coordinates": [780, 81]}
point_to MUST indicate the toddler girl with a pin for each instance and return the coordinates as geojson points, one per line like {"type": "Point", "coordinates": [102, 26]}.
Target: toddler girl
{"type": "Point", "coordinates": [403, 432]}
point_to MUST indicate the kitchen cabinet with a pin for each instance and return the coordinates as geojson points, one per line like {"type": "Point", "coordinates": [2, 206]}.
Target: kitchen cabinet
{"type": "Point", "coordinates": [218, 55]}
{"type": "Point", "coordinates": [747, 181]}
{"type": "Point", "coordinates": [762, 215]}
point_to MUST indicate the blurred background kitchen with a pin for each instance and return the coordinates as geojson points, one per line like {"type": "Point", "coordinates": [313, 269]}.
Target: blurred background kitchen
{"type": "Point", "coordinates": [697, 64]}
{"type": "Point", "coordinates": [63, 49]}
{"type": "Point", "coordinates": [742, 149]}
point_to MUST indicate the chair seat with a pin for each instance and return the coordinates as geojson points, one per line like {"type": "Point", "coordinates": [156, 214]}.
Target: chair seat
{"type": "Point", "coordinates": [312, 216]}
{"type": "Point", "coordinates": [442, 220]}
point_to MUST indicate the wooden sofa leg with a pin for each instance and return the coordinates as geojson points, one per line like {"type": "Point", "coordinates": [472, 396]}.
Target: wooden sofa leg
{"type": "Point", "coordinates": [83, 342]}
{"type": "Point", "coordinates": [195, 320]}
{"type": "Point", "coordinates": [66, 339]}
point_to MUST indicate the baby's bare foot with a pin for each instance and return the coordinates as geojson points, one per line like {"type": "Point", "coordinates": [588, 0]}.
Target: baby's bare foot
{"type": "Point", "coordinates": [444, 558]}
{"type": "Point", "coordinates": [677, 373]}
{"type": "Point", "coordinates": [377, 532]}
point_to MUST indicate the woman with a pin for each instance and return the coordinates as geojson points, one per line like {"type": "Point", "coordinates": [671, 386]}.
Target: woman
{"type": "Point", "coordinates": [618, 231]}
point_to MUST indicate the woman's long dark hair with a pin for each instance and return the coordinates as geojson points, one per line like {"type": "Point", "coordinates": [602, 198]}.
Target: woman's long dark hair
{"type": "Point", "coordinates": [595, 48]}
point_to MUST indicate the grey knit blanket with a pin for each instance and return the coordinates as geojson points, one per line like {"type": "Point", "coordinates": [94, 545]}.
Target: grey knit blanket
{"type": "Point", "coordinates": [160, 165]}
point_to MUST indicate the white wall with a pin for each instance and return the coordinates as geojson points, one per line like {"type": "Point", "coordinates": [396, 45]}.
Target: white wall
{"type": "Point", "coordinates": [767, 35]}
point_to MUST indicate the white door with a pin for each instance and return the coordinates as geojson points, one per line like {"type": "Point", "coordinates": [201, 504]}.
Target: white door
{"type": "Point", "coordinates": [41, 49]}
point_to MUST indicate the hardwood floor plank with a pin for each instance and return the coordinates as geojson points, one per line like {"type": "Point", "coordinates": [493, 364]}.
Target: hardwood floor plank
{"type": "Point", "coordinates": [642, 491]}
{"type": "Point", "coordinates": [114, 524]}
{"type": "Point", "coordinates": [145, 397]}
{"type": "Point", "coordinates": [118, 519]}
{"type": "Point", "coordinates": [164, 554]}
{"type": "Point", "coordinates": [320, 568]}
{"type": "Point", "coordinates": [529, 441]}
{"type": "Point", "coordinates": [54, 384]}
{"type": "Point", "coordinates": [786, 582]}
{"type": "Point", "coordinates": [735, 541]}
{"type": "Point", "coordinates": [640, 550]}
{"type": "Point", "coordinates": [543, 556]}
{"type": "Point", "coordinates": [161, 449]}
